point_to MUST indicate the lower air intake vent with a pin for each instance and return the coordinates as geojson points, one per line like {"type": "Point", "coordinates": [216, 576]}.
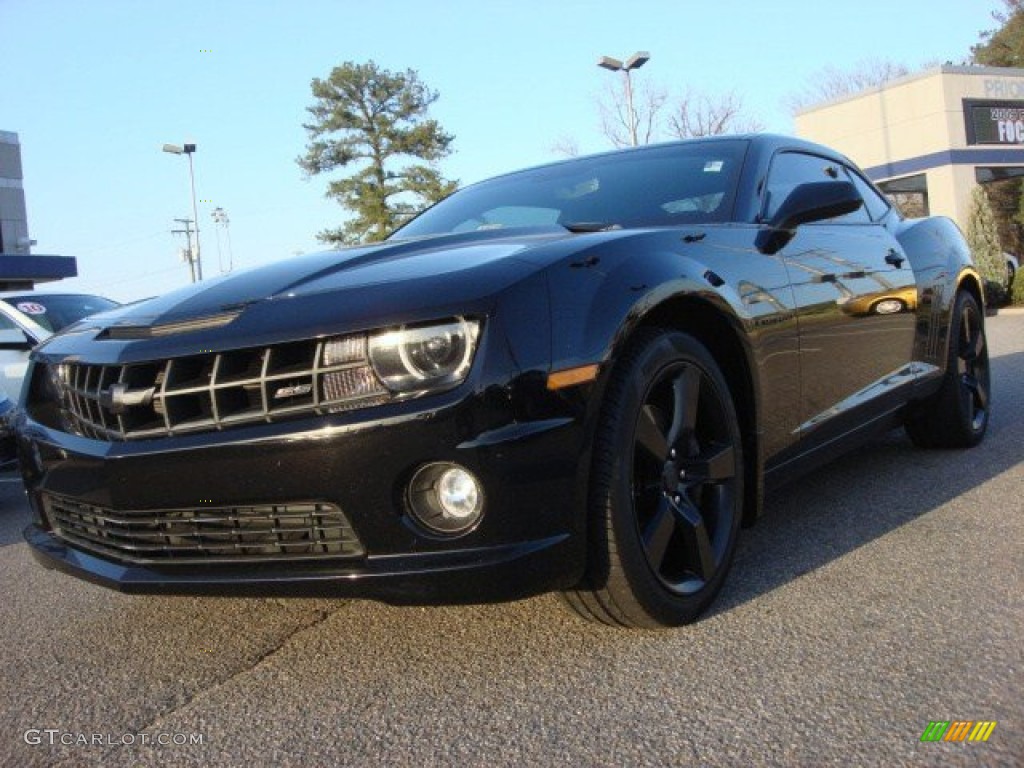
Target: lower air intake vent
{"type": "Point", "coordinates": [209, 535]}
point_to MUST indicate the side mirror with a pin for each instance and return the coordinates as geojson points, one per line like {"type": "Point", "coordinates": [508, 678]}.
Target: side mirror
{"type": "Point", "coordinates": [806, 203]}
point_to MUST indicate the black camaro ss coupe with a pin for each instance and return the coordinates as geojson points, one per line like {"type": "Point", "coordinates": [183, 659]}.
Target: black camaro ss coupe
{"type": "Point", "coordinates": [579, 377]}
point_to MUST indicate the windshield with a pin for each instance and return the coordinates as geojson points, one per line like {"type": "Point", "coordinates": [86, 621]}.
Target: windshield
{"type": "Point", "coordinates": [56, 311]}
{"type": "Point", "coordinates": [666, 185]}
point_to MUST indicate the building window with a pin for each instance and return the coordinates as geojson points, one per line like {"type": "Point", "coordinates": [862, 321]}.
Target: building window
{"type": "Point", "coordinates": [909, 194]}
{"type": "Point", "coordinates": [985, 175]}
{"type": "Point", "coordinates": [1003, 185]}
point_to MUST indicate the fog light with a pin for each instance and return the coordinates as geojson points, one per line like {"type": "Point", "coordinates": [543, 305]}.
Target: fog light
{"type": "Point", "coordinates": [446, 498]}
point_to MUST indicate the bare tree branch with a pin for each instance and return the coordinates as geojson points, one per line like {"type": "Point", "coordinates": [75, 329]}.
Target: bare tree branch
{"type": "Point", "coordinates": [833, 83]}
{"type": "Point", "coordinates": [616, 121]}
{"type": "Point", "coordinates": [566, 146]}
{"type": "Point", "coordinates": [697, 114]}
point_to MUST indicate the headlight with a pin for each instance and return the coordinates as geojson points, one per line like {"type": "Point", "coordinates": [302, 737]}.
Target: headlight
{"type": "Point", "coordinates": [424, 358]}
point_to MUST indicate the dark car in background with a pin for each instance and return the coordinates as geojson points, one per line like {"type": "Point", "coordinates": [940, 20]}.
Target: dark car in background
{"type": "Point", "coordinates": [580, 377]}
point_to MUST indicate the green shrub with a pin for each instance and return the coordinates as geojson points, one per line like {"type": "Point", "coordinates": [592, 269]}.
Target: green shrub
{"type": "Point", "coordinates": [995, 294]}
{"type": "Point", "coordinates": [1017, 294]}
{"type": "Point", "coordinates": [983, 238]}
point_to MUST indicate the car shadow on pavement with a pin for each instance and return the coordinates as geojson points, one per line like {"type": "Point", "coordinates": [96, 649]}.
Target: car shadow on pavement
{"type": "Point", "coordinates": [866, 494]}
{"type": "Point", "coordinates": [111, 663]}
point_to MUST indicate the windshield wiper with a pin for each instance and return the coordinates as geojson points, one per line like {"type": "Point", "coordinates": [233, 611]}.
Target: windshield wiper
{"type": "Point", "coordinates": [590, 226]}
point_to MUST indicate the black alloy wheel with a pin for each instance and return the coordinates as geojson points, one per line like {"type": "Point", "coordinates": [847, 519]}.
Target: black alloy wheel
{"type": "Point", "coordinates": [666, 486]}
{"type": "Point", "coordinates": [957, 415]}
{"type": "Point", "coordinates": [972, 365]}
{"type": "Point", "coordinates": [684, 478]}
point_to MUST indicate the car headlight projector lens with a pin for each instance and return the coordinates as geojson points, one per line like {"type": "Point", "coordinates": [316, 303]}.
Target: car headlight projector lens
{"type": "Point", "coordinates": [424, 358]}
{"type": "Point", "coordinates": [446, 498]}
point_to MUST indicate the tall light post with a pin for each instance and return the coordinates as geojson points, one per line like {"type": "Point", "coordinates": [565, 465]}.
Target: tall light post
{"type": "Point", "coordinates": [189, 149]}
{"type": "Point", "coordinates": [635, 61]}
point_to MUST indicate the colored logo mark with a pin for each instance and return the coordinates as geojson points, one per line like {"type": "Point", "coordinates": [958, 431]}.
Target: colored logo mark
{"type": "Point", "coordinates": [958, 730]}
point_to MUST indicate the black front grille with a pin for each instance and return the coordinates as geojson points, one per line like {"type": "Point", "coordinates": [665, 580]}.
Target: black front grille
{"type": "Point", "coordinates": [209, 391]}
{"type": "Point", "coordinates": [216, 534]}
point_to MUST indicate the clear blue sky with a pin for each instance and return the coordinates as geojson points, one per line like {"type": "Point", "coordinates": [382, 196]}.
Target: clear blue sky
{"type": "Point", "coordinates": [95, 88]}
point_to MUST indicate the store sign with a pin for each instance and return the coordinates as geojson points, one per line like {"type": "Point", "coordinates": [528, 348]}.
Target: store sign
{"type": "Point", "coordinates": [1004, 89]}
{"type": "Point", "coordinates": [994, 122]}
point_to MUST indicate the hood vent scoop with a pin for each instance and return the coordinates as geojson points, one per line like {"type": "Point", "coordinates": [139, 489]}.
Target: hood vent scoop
{"type": "Point", "coordinates": [129, 332]}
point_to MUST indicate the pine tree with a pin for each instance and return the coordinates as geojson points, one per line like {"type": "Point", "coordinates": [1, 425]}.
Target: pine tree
{"type": "Point", "coordinates": [1003, 47]}
{"type": "Point", "coordinates": [371, 120]}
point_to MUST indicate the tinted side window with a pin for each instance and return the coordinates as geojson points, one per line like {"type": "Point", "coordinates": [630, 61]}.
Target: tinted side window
{"type": "Point", "coordinates": [876, 205]}
{"type": "Point", "coordinates": [789, 169]}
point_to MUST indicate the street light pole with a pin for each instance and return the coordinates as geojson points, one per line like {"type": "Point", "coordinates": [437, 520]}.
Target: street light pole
{"type": "Point", "coordinates": [635, 61]}
{"type": "Point", "coordinates": [189, 149]}
{"type": "Point", "coordinates": [195, 212]}
{"type": "Point", "coordinates": [629, 103]}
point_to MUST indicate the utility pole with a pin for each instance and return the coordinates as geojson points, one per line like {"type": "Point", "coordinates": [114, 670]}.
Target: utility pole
{"type": "Point", "coordinates": [220, 219]}
{"type": "Point", "coordinates": [187, 231]}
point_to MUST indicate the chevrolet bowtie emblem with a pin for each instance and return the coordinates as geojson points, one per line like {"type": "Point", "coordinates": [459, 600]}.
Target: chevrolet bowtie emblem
{"type": "Point", "coordinates": [117, 398]}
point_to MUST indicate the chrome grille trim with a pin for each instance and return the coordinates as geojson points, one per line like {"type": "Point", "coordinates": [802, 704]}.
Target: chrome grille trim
{"type": "Point", "coordinates": [293, 531]}
{"type": "Point", "coordinates": [205, 392]}
{"type": "Point", "coordinates": [168, 329]}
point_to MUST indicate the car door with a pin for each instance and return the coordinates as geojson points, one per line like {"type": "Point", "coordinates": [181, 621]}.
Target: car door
{"type": "Point", "coordinates": [855, 298]}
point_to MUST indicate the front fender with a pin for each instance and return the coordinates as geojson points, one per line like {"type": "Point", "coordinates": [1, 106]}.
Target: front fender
{"type": "Point", "coordinates": [601, 295]}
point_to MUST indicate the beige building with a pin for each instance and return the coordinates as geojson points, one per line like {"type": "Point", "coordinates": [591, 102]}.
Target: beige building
{"type": "Point", "coordinates": [19, 268]}
{"type": "Point", "coordinates": [927, 139]}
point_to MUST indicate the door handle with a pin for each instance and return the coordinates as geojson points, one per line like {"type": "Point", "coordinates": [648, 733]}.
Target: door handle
{"type": "Point", "coordinates": [893, 257]}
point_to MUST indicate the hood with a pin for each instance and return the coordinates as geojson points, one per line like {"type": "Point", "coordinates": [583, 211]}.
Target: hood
{"type": "Point", "coordinates": [323, 294]}
{"type": "Point", "coordinates": [482, 259]}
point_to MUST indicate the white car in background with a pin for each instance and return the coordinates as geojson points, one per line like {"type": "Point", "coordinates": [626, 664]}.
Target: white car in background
{"type": "Point", "coordinates": [28, 318]}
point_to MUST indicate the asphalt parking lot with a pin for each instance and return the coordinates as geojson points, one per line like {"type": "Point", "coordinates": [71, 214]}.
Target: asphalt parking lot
{"type": "Point", "coordinates": [878, 594]}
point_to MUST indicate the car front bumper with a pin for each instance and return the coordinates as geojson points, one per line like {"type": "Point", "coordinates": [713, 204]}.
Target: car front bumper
{"type": "Point", "coordinates": [529, 540]}
{"type": "Point", "coordinates": [487, 574]}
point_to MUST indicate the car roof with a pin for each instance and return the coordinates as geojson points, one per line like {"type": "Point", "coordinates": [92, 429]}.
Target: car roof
{"type": "Point", "coordinates": [762, 142]}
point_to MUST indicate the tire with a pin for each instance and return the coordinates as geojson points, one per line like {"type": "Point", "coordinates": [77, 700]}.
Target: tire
{"type": "Point", "coordinates": [666, 489]}
{"type": "Point", "coordinates": [957, 415]}
{"type": "Point", "coordinates": [888, 307]}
